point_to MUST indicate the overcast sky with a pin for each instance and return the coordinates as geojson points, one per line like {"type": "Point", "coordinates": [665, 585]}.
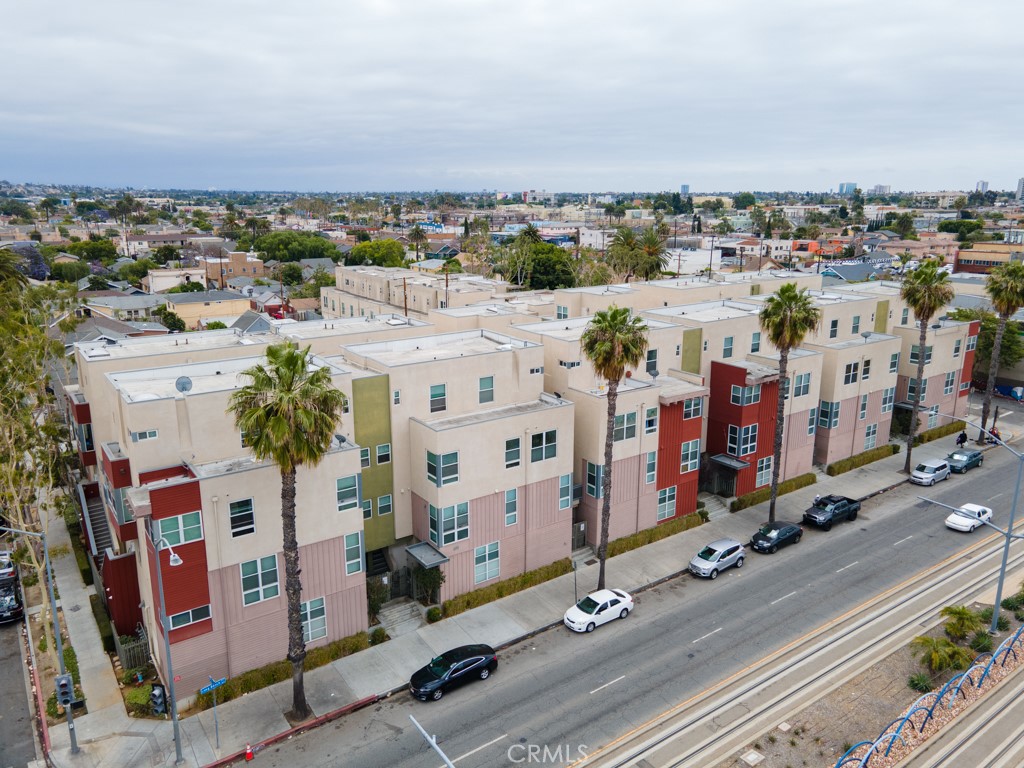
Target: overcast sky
{"type": "Point", "coordinates": [561, 95]}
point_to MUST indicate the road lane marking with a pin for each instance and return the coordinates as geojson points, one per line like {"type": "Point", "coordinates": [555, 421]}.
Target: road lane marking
{"type": "Point", "coordinates": [709, 634]}
{"type": "Point", "coordinates": [848, 566]}
{"type": "Point", "coordinates": [482, 746]}
{"type": "Point", "coordinates": [773, 602]}
{"type": "Point", "coordinates": [993, 498]}
{"type": "Point", "coordinates": [607, 684]}
{"type": "Point", "coordinates": [897, 543]}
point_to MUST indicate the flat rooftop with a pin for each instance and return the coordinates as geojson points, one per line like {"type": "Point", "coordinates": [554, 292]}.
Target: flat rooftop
{"type": "Point", "coordinates": [708, 311]}
{"type": "Point", "coordinates": [544, 403]}
{"type": "Point", "coordinates": [444, 346]}
{"type": "Point", "coordinates": [572, 328]}
{"type": "Point", "coordinates": [143, 346]}
{"type": "Point", "coordinates": [342, 326]}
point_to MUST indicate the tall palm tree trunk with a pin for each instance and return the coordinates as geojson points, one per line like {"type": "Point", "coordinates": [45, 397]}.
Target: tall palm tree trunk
{"type": "Point", "coordinates": [606, 481]}
{"type": "Point", "coordinates": [917, 394]}
{"type": "Point", "coordinates": [780, 423]}
{"type": "Point", "coordinates": [293, 593]}
{"type": "Point", "coordinates": [993, 369]}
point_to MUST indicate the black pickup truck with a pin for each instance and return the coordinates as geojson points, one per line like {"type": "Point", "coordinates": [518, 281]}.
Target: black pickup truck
{"type": "Point", "coordinates": [831, 509]}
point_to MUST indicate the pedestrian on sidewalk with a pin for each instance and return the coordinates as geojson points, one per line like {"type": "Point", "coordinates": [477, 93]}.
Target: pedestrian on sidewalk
{"type": "Point", "coordinates": [961, 440]}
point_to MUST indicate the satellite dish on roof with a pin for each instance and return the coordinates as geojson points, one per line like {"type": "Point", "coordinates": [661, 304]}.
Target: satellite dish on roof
{"type": "Point", "coordinates": [183, 384]}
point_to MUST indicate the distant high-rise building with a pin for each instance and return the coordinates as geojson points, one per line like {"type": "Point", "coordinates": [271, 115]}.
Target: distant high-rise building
{"type": "Point", "coordinates": [1020, 190]}
{"type": "Point", "coordinates": [847, 188]}
{"type": "Point", "coordinates": [881, 189]}
{"type": "Point", "coordinates": [684, 189]}
{"type": "Point", "coordinates": [981, 186]}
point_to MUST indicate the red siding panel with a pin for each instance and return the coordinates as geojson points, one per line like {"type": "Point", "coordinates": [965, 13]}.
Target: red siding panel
{"type": "Point", "coordinates": [121, 585]}
{"type": "Point", "coordinates": [175, 499]}
{"type": "Point", "coordinates": [163, 474]}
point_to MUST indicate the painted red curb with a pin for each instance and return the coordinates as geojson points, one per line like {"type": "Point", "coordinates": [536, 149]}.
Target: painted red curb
{"type": "Point", "coordinates": [308, 725]}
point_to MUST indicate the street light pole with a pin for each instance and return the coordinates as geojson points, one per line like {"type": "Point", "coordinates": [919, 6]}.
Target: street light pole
{"type": "Point", "coordinates": [58, 642]}
{"type": "Point", "coordinates": [174, 560]}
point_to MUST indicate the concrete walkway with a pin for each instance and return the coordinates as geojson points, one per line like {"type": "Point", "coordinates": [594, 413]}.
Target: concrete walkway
{"type": "Point", "coordinates": [109, 738]}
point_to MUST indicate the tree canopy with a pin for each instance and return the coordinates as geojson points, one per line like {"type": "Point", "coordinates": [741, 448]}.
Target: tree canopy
{"type": "Point", "coordinates": [291, 246]}
{"type": "Point", "coordinates": [380, 253]}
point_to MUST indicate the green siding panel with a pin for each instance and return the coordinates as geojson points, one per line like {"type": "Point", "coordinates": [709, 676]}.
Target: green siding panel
{"type": "Point", "coordinates": [882, 316]}
{"type": "Point", "coordinates": [371, 412]}
{"type": "Point", "coordinates": [692, 341]}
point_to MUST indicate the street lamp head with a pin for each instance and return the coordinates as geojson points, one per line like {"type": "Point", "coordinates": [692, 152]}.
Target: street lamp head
{"type": "Point", "coordinates": [174, 559]}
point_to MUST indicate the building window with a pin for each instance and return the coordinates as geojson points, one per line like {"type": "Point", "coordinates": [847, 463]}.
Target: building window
{"type": "Point", "coordinates": [689, 456]}
{"type": "Point", "coordinates": [367, 509]}
{"type": "Point", "coordinates": [384, 453]}
{"type": "Point", "coordinates": [745, 395]}
{"type": "Point", "coordinates": [487, 563]}
{"type": "Point", "coordinates": [348, 493]}
{"type": "Point", "coordinates": [561, 312]}
{"type": "Point", "coordinates": [727, 347]}
{"type": "Point", "coordinates": [652, 467]}
{"type": "Point", "coordinates": [666, 503]}
{"type": "Point", "coordinates": [364, 457]}
{"type": "Point", "coordinates": [242, 518]}
{"type": "Point", "coordinates": [833, 329]}
{"type": "Point", "coordinates": [851, 373]}
{"type": "Point", "coordinates": [693, 407]}
{"type": "Point", "coordinates": [259, 580]}
{"type": "Point", "coordinates": [912, 390]}
{"type": "Point", "coordinates": [511, 506]}
{"type": "Point", "coordinates": [512, 453]}
{"type": "Point", "coordinates": [828, 415]}
{"type": "Point", "coordinates": [679, 349]}
{"type": "Point", "coordinates": [384, 504]}
{"type": "Point", "coordinates": [625, 427]}
{"type": "Point", "coordinates": [888, 399]}
{"type": "Point", "coordinates": [956, 348]}
{"type": "Point", "coordinates": [346, 405]}
{"type": "Point", "coordinates": [755, 342]}
{"type": "Point", "coordinates": [595, 475]}
{"type": "Point", "coordinates": [443, 469]}
{"type": "Point", "coordinates": [866, 371]}
{"type": "Point", "coordinates": [544, 446]}
{"type": "Point", "coordinates": [972, 343]}
{"type": "Point", "coordinates": [915, 354]}
{"type": "Point", "coordinates": [148, 434]}
{"type": "Point", "coordinates": [564, 491]}
{"type": "Point", "coordinates": [950, 383]}
{"type": "Point", "coordinates": [863, 408]}
{"type": "Point", "coordinates": [537, 370]}
{"type": "Point", "coordinates": [314, 620]}
{"type": "Point", "coordinates": [438, 397]}
{"type": "Point", "coordinates": [181, 529]}
{"type": "Point", "coordinates": [812, 421]}
{"type": "Point", "coordinates": [742, 440]}
{"type": "Point", "coordinates": [855, 326]}
{"type": "Point", "coordinates": [487, 389]}
{"type": "Point", "coordinates": [652, 361]}
{"type": "Point", "coordinates": [185, 618]}
{"type": "Point", "coordinates": [870, 436]}
{"type": "Point", "coordinates": [396, 397]}
{"type": "Point", "coordinates": [705, 345]}
{"type": "Point", "coordinates": [964, 386]}
{"type": "Point", "coordinates": [569, 364]}
{"type": "Point", "coordinates": [651, 421]}
{"type": "Point", "coordinates": [764, 471]}
{"type": "Point", "coordinates": [933, 417]}
{"type": "Point", "coordinates": [905, 317]}
{"type": "Point", "coordinates": [802, 384]}
{"type": "Point", "coordinates": [894, 362]}
{"type": "Point", "coordinates": [353, 552]}
{"type": "Point", "coordinates": [449, 524]}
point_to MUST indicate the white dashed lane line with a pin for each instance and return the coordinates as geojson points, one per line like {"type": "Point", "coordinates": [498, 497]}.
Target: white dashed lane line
{"type": "Point", "coordinates": [840, 570]}
{"type": "Point", "coordinates": [613, 682]}
{"type": "Point", "coordinates": [705, 637]}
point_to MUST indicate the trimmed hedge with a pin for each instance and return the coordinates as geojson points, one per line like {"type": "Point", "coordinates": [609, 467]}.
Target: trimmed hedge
{"type": "Point", "coordinates": [860, 459]}
{"type": "Point", "coordinates": [102, 623]}
{"type": "Point", "coordinates": [763, 494]}
{"type": "Point", "coordinates": [505, 588]}
{"type": "Point", "coordinates": [936, 432]}
{"type": "Point", "coordinates": [136, 700]}
{"type": "Point", "coordinates": [651, 535]}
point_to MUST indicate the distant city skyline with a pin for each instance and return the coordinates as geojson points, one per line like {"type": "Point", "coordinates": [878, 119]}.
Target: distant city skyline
{"type": "Point", "coordinates": [568, 96]}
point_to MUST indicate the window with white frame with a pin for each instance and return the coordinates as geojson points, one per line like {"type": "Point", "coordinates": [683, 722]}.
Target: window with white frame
{"type": "Point", "coordinates": [865, 373]}
{"type": "Point", "coordinates": [367, 509]}
{"type": "Point", "coordinates": [449, 524]}
{"type": "Point", "coordinates": [544, 445]}
{"type": "Point", "coordinates": [595, 473]}
{"type": "Point", "coordinates": [727, 347]}
{"type": "Point", "coordinates": [964, 386]}
{"type": "Point", "coordinates": [512, 453]}
{"type": "Point", "coordinates": [812, 421]}
{"type": "Point", "coordinates": [755, 342]}
{"type": "Point", "coordinates": [905, 317]}
{"type": "Point", "coordinates": [242, 518]}
{"type": "Point", "coordinates": [259, 580]}
{"type": "Point", "coordinates": [894, 362]}
{"type": "Point", "coordinates": [384, 505]}
{"type": "Point", "coordinates": [888, 399]}
{"type": "Point", "coordinates": [561, 312]}
{"type": "Point", "coordinates": [185, 618]}
{"type": "Point", "coordinates": [693, 407]}
{"type": "Point", "coordinates": [742, 440]}
{"type": "Point", "coordinates": [870, 436]}
{"type": "Point", "coordinates": [625, 427]}
{"type": "Point", "coordinates": [833, 329]}
{"type": "Point", "coordinates": [915, 354]}
{"type": "Point", "coordinates": [950, 383]}
{"type": "Point", "coordinates": [511, 506]}
{"type": "Point", "coordinates": [443, 469]}
{"type": "Point", "coordinates": [850, 375]}
{"type": "Point", "coordinates": [396, 397]}
{"type": "Point", "coordinates": [651, 421]}
{"type": "Point", "coordinates": [956, 348]}
{"type": "Point", "coordinates": [384, 453]}
{"type": "Point", "coordinates": [348, 493]}
{"type": "Point", "coordinates": [828, 414]}
{"type": "Point", "coordinates": [863, 408]}
{"type": "Point", "coordinates": [764, 471]}
{"type": "Point", "coordinates": [652, 467]}
{"type": "Point", "coordinates": [912, 390]}
{"type": "Point", "coordinates": [486, 389]}
{"type": "Point", "coordinates": [487, 563]}
{"type": "Point", "coordinates": [652, 361]}
{"type": "Point", "coordinates": [972, 343]}
{"type": "Point", "coordinates": [666, 503]}
{"type": "Point", "coordinates": [801, 384]}
{"type": "Point", "coordinates": [855, 325]}
{"type": "Point", "coordinates": [314, 619]}
{"type": "Point", "coordinates": [438, 397]}
{"type": "Point", "coordinates": [689, 456]}
{"type": "Point", "coordinates": [353, 552]}
{"type": "Point", "coordinates": [564, 491]}
{"type": "Point", "coordinates": [364, 457]}
{"type": "Point", "coordinates": [745, 395]}
{"type": "Point", "coordinates": [679, 349]}
{"type": "Point", "coordinates": [146, 434]}
{"type": "Point", "coordinates": [181, 529]}
{"type": "Point", "coordinates": [933, 417]}
{"type": "Point", "coordinates": [569, 364]}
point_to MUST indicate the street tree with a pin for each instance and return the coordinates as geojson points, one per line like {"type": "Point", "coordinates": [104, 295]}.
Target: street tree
{"type": "Point", "coordinates": [1005, 287]}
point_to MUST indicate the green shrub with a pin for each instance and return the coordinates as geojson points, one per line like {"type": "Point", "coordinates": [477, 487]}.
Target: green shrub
{"type": "Point", "coordinates": [859, 460]}
{"type": "Point", "coordinates": [936, 432]}
{"type": "Point", "coordinates": [377, 593]}
{"type": "Point", "coordinates": [30, 579]}
{"type": "Point", "coordinates": [434, 614]}
{"type": "Point", "coordinates": [981, 642]}
{"type": "Point", "coordinates": [920, 682]}
{"type": "Point", "coordinates": [505, 588]}
{"type": "Point", "coordinates": [703, 514]}
{"type": "Point", "coordinates": [71, 664]}
{"type": "Point", "coordinates": [42, 643]}
{"type": "Point", "coordinates": [99, 612]}
{"type": "Point", "coordinates": [136, 700]}
{"type": "Point", "coordinates": [1003, 623]}
{"type": "Point", "coordinates": [428, 581]}
{"type": "Point", "coordinates": [378, 636]}
{"type": "Point", "coordinates": [763, 494]}
{"type": "Point", "coordinates": [651, 535]}
{"type": "Point", "coordinates": [51, 706]}
{"type": "Point", "coordinates": [1013, 602]}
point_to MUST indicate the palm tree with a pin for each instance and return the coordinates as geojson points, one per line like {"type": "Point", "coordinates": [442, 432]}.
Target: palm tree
{"type": "Point", "coordinates": [418, 237]}
{"type": "Point", "coordinates": [614, 341]}
{"type": "Point", "coordinates": [654, 255]}
{"type": "Point", "coordinates": [622, 252]}
{"type": "Point", "coordinates": [962, 621]}
{"type": "Point", "coordinates": [939, 654]}
{"type": "Point", "coordinates": [529, 234]}
{"type": "Point", "coordinates": [1005, 286]}
{"type": "Point", "coordinates": [926, 291]}
{"type": "Point", "coordinates": [786, 317]}
{"type": "Point", "coordinates": [288, 412]}
{"type": "Point", "coordinates": [11, 276]}
{"type": "Point", "coordinates": [257, 226]}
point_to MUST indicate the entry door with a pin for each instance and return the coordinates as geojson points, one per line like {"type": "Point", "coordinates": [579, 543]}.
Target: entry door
{"type": "Point", "coordinates": [579, 534]}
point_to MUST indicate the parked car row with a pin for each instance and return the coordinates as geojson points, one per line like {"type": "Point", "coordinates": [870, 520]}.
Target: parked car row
{"type": "Point", "coordinates": [11, 606]}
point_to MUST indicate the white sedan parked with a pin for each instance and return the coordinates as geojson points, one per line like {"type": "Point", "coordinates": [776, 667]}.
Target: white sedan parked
{"type": "Point", "coordinates": [598, 608]}
{"type": "Point", "coordinates": [969, 517]}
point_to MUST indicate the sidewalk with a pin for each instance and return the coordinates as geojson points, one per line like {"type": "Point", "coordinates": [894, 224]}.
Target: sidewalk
{"type": "Point", "coordinates": [109, 738]}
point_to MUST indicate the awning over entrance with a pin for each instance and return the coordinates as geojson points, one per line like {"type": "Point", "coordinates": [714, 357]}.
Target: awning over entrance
{"type": "Point", "coordinates": [426, 554]}
{"type": "Point", "coordinates": [730, 461]}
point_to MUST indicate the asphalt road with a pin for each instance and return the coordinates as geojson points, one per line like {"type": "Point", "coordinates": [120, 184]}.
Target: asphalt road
{"type": "Point", "coordinates": [567, 692]}
{"type": "Point", "coordinates": [17, 747]}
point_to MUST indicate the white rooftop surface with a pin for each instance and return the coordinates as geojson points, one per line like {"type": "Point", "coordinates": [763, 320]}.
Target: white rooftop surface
{"type": "Point", "coordinates": [860, 342]}
{"type": "Point", "coordinates": [318, 329]}
{"type": "Point", "coordinates": [446, 346]}
{"type": "Point", "coordinates": [482, 310]}
{"type": "Point", "coordinates": [708, 311]}
{"type": "Point", "coordinates": [601, 290]}
{"type": "Point", "coordinates": [572, 328]}
{"type": "Point", "coordinates": [162, 345]}
{"type": "Point", "coordinates": [545, 402]}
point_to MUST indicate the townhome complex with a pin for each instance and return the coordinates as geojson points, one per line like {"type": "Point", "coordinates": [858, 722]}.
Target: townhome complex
{"type": "Point", "coordinates": [472, 439]}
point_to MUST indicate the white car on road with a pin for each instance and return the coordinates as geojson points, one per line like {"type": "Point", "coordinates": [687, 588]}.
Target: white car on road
{"type": "Point", "coordinates": [969, 517]}
{"type": "Point", "coordinates": [598, 608]}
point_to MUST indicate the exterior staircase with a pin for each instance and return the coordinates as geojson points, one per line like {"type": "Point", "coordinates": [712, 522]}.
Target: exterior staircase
{"type": "Point", "coordinates": [402, 616]}
{"type": "Point", "coordinates": [376, 563]}
{"type": "Point", "coordinates": [715, 505]}
{"type": "Point", "coordinates": [97, 527]}
{"type": "Point", "coordinates": [584, 556]}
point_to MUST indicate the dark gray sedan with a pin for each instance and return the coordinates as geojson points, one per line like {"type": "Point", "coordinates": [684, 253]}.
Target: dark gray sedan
{"type": "Point", "coordinates": [771, 536]}
{"type": "Point", "coordinates": [963, 459]}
